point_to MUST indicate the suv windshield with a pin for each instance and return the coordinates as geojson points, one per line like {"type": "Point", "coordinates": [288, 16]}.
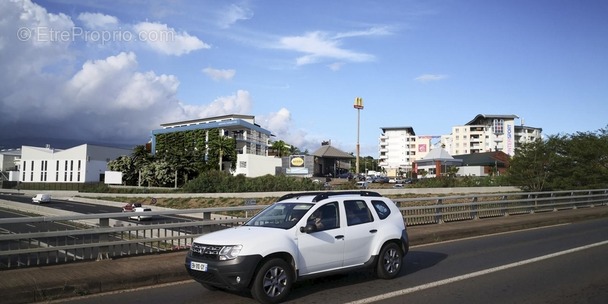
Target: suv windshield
{"type": "Point", "coordinates": [280, 215]}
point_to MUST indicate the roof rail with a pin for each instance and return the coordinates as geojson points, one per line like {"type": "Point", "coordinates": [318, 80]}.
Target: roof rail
{"type": "Point", "coordinates": [325, 194]}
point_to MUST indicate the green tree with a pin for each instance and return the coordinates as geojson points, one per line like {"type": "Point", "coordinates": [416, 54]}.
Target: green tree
{"type": "Point", "coordinates": [562, 162]}
{"type": "Point", "coordinates": [125, 165]}
{"type": "Point", "coordinates": [140, 159]}
{"type": "Point", "coordinates": [221, 148]}
{"type": "Point", "coordinates": [585, 164]}
{"type": "Point", "coordinates": [529, 168]}
{"type": "Point", "coordinates": [293, 150]}
{"type": "Point", "coordinates": [451, 171]}
{"type": "Point", "coordinates": [281, 148]}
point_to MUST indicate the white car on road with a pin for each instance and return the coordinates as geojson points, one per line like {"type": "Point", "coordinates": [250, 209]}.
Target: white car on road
{"type": "Point", "coordinates": [139, 213]}
{"type": "Point", "coordinates": [301, 236]}
{"type": "Point", "coordinates": [41, 198]}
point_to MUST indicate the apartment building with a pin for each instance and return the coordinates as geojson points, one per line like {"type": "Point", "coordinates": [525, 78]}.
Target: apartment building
{"type": "Point", "coordinates": [399, 148]}
{"type": "Point", "coordinates": [487, 133]}
{"type": "Point", "coordinates": [252, 141]}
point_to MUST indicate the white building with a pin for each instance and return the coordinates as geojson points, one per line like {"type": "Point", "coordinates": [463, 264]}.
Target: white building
{"type": "Point", "coordinates": [9, 159]}
{"type": "Point", "coordinates": [252, 141]}
{"type": "Point", "coordinates": [436, 163]}
{"type": "Point", "coordinates": [486, 133]}
{"type": "Point", "coordinates": [80, 164]}
{"type": "Point", "coordinates": [400, 148]}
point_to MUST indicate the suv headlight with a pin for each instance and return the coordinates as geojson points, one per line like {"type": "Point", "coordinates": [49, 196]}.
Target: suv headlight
{"type": "Point", "coordinates": [229, 252]}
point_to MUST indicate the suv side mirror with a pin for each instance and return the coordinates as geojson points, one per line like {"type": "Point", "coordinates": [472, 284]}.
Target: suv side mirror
{"type": "Point", "coordinates": [308, 228]}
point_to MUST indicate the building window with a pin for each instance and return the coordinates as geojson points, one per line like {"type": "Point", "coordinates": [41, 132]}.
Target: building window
{"type": "Point", "coordinates": [43, 170]}
{"type": "Point", "coordinates": [497, 126]}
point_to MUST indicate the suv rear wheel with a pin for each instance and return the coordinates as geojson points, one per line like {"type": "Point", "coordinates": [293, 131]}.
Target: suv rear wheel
{"type": "Point", "coordinates": [272, 282]}
{"type": "Point", "coordinates": [390, 261]}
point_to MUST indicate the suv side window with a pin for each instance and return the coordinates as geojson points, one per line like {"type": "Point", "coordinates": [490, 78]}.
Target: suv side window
{"type": "Point", "coordinates": [325, 217]}
{"type": "Point", "coordinates": [381, 208]}
{"type": "Point", "coordinates": [357, 212]}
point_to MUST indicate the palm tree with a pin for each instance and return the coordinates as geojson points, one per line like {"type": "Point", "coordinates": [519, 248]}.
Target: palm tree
{"type": "Point", "coordinates": [280, 147]}
{"type": "Point", "coordinates": [141, 158]}
{"type": "Point", "coordinates": [223, 145]}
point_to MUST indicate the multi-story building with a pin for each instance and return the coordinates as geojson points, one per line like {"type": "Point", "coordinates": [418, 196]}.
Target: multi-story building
{"type": "Point", "coordinates": [399, 148]}
{"type": "Point", "coordinates": [486, 133]}
{"type": "Point", "coordinates": [252, 141]}
{"type": "Point", "coordinates": [80, 164]}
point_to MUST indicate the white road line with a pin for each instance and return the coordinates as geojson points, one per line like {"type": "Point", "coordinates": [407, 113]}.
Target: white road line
{"type": "Point", "coordinates": [472, 275]}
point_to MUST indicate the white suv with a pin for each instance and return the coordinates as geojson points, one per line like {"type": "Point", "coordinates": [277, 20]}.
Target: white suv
{"type": "Point", "coordinates": [302, 235]}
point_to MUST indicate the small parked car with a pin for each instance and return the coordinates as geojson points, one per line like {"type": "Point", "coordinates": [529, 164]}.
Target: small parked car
{"type": "Point", "coordinates": [380, 179]}
{"type": "Point", "coordinates": [41, 198]}
{"type": "Point", "coordinates": [130, 207]}
{"type": "Point", "coordinates": [362, 185]}
{"type": "Point", "coordinates": [139, 213]}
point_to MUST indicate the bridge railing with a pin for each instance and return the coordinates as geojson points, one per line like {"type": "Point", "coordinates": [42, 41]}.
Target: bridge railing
{"type": "Point", "coordinates": [73, 238]}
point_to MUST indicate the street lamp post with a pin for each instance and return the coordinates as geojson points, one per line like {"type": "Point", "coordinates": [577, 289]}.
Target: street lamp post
{"type": "Point", "coordinates": [359, 106]}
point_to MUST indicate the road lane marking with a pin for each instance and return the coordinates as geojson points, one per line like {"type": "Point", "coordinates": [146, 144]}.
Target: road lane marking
{"type": "Point", "coordinates": [472, 275]}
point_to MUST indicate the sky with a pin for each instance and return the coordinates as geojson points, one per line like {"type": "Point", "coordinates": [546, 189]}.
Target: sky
{"type": "Point", "coordinates": [112, 71]}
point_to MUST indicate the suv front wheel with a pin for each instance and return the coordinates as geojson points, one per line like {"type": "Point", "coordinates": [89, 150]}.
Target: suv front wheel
{"type": "Point", "coordinates": [273, 282]}
{"type": "Point", "coordinates": [390, 261]}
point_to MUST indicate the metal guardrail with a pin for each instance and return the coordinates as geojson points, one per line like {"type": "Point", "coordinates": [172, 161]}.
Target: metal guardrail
{"type": "Point", "coordinates": [74, 238]}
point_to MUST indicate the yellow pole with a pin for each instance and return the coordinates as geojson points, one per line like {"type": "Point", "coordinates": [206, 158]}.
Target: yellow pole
{"type": "Point", "coordinates": [359, 106]}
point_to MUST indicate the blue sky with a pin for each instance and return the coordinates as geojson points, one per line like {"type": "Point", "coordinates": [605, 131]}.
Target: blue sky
{"type": "Point", "coordinates": [114, 70]}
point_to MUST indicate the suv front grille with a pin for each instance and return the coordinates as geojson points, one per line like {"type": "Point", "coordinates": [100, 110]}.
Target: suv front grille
{"type": "Point", "coordinates": [210, 252]}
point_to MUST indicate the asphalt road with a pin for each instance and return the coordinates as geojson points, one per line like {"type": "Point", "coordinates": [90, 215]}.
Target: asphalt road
{"type": "Point", "coordinates": [564, 263]}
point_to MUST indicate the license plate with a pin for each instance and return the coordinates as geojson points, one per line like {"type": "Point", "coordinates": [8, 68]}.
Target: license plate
{"type": "Point", "coordinates": [198, 266]}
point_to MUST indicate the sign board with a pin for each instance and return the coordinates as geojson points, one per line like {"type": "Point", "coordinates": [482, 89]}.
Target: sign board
{"type": "Point", "coordinates": [113, 177]}
{"type": "Point", "coordinates": [296, 161]}
{"type": "Point", "coordinates": [250, 201]}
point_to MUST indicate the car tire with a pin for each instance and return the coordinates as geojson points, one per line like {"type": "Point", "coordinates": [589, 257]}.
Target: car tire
{"type": "Point", "coordinates": [390, 261]}
{"type": "Point", "coordinates": [273, 281]}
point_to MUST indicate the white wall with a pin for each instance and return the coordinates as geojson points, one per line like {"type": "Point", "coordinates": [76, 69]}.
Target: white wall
{"type": "Point", "coordinates": [256, 165]}
{"type": "Point", "coordinates": [471, 171]}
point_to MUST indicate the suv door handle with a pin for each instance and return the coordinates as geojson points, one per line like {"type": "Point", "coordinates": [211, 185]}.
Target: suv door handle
{"type": "Point", "coordinates": [339, 237]}
{"type": "Point", "coordinates": [373, 231]}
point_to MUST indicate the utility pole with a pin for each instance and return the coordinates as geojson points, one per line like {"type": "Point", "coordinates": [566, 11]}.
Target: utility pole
{"type": "Point", "coordinates": [359, 106]}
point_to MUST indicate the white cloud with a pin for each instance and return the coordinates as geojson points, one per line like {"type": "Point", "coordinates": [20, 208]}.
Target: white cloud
{"type": "Point", "coordinates": [317, 46]}
{"type": "Point", "coordinates": [217, 74]}
{"type": "Point", "coordinates": [430, 77]}
{"type": "Point", "coordinates": [282, 126]}
{"type": "Point", "coordinates": [239, 103]}
{"type": "Point", "coordinates": [374, 31]}
{"type": "Point", "coordinates": [233, 14]}
{"type": "Point", "coordinates": [166, 40]}
{"type": "Point", "coordinates": [98, 20]}
{"type": "Point", "coordinates": [45, 93]}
